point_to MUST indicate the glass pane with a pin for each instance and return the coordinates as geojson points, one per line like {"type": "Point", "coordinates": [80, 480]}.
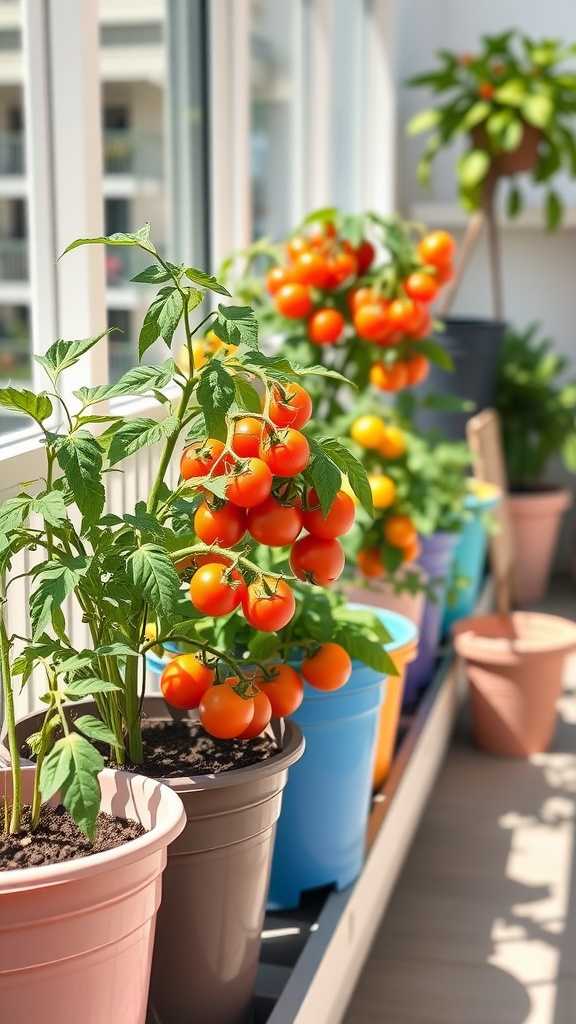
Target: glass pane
{"type": "Point", "coordinates": [274, 29]}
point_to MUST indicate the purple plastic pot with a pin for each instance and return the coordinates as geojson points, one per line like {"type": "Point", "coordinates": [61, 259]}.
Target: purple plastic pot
{"type": "Point", "coordinates": [436, 560]}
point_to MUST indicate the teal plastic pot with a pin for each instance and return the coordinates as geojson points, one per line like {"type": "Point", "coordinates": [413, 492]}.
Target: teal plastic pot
{"type": "Point", "coordinates": [321, 831]}
{"type": "Point", "coordinates": [470, 557]}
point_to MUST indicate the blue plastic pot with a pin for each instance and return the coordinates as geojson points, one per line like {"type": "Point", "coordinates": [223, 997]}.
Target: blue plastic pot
{"type": "Point", "coordinates": [470, 558]}
{"type": "Point", "coordinates": [325, 806]}
{"type": "Point", "coordinates": [436, 560]}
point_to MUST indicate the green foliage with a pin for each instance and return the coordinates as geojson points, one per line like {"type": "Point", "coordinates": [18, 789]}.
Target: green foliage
{"type": "Point", "coordinates": [489, 97]}
{"type": "Point", "coordinates": [537, 408]}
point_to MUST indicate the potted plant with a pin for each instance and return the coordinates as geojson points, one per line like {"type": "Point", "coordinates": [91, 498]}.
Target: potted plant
{"type": "Point", "coordinates": [537, 411]}
{"type": "Point", "coordinates": [129, 570]}
{"type": "Point", "coordinates": [512, 104]}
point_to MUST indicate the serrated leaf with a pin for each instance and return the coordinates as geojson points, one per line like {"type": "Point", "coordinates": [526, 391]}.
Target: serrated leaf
{"type": "Point", "coordinates": [151, 571]}
{"type": "Point", "coordinates": [206, 281]}
{"type": "Point", "coordinates": [140, 238]}
{"type": "Point", "coordinates": [324, 476]}
{"type": "Point", "coordinates": [236, 325]}
{"type": "Point", "coordinates": [348, 465]}
{"type": "Point", "coordinates": [473, 167]}
{"type": "Point", "coordinates": [95, 729]}
{"type": "Point", "coordinates": [51, 506]}
{"type": "Point", "coordinates": [423, 121]}
{"type": "Point", "coordinates": [246, 395]}
{"type": "Point", "coordinates": [80, 459]}
{"type": "Point", "coordinates": [215, 393]}
{"type": "Point", "coordinates": [63, 354]}
{"type": "Point", "coordinates": [13, 512]}
{"type": "Point", "coordinates": [57, 580]}
{"type": "Point", "coordinates": [39, 406]}
{"type": "Point", "coordinates": [144, 522]}
{"type": "Point", "coordinates": [89, 685]}
{"type": "Point", "coordinates": [554, 209]}
{"type": "Point", "coordinates": [195, 297]}
{"type": "Point", "coordinates": [154, 275]}
{"type": "Point", "coordinates": [161, 319]}
{"type": "Point", "coordinates": [538, 110]}
{"type": "Point", "coordinates": [136, 381]}
{"type": "Point", "coordinates": [263, 646]}
{"type": "Point", "coordinates": [132, 435]}
{"type": "Point", "coordinates": [72, 768]}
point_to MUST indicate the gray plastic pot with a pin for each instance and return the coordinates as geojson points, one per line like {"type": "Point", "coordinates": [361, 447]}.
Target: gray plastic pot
{"type": "Point", "coordinates": [215, 886]}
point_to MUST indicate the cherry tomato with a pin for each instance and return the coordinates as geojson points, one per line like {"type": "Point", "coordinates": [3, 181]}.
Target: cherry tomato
{"type": "Point", "coordinates": [444, 273]}
{"type": "Point", "coordinates": [277, 277]}
{"type": "Point", "coordinates": [417, 369]}
{"type": "Point", "coordinates": [340, 268]}
{"type": "Point", "coordinates": [363, 296]}
{"type": "Point", "coordinates": [369, 432]}
{"type": "Point", "coordinates": [286, 453]}
{"type": "Point", "coordinates": [202, 458]}
{"type": "Point", "coordinates": [437, 248]}
{"type": "Point", "coordinates": [196, 561]}
{"type": "Point", "coordinates": [224, 713]}
{"type": "Point", "coordinates": [393, 444]}
{"type": "Point", "coordinates": [293, 301]}
{"type": "Point", "coordinates": [262, 715]}
{"type": "Point", "coordinates": [371, 321]}
{"type": "Point", "coordinates": [400, 531]}
{"type": "Point", "coordinates": [311, 268]}
{"type": "Point", "coordinates": [268, 604]}
{"type": "Point", "coordinates": [224, 526]}
{"type": "Point", "coordinates": [184, 680]}
{"type": "Point", "coordinates": [247, 437]}
{"type": "Point", "coordinates": [423, 324]}
{"type": "Point", "coordinates": [290, 406]}
{"type": "Point", "coordinates": [370, 563]}
{"type": "Point", "coordinates": [337, 522]}
{"type": "Point", "coordinates": [421, 287]}
{"type": "Point", "coordinates": [285, 690]}
{"type": "Point", "coordinates": [274, 524]}
{"type": "Point", "coordinates": [216, 590]}
{"type": "Point", "coordinates": [250, 486]}
{"type": "Point", "coordinates": [325, 326]}
{"type": "Point", "coordinates": [486, 90]}
{"type": "Point", "coordinates": [404, 314]}
{"type": "Point", "coordinates": [296, 246]}
{"type": "Point", "coordinates": [329, 668]}
{"type": "Point", "coordinates": [317, 560]}
{"type": "Point", "coordinates": [410, 552]}
{"type": "Point", "coordinates": [391, 377]}
{"type": "Point", "coordinates": [383, 491]}
{"type": "Point", "coordinates": [365, 254]}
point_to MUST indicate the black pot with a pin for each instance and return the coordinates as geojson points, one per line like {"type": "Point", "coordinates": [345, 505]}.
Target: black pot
{"type": "Point", "coordinates": [474, 346]}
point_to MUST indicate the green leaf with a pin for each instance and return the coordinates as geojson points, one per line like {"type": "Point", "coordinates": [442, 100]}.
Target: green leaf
{"type": "Point", "coordinates": [246, 395]}
{"type": "Point", "coordinates": [511, 93]}
{"type": "Point", "coordinates": [475, 114]}
{"type": "Point", "coordinates": [435, 353]}
{"type": "Point", "coordinates": [136, 381]}
{"type": "Point", "coordinates": [80, 458]}
{"type": "Point", "coordinates": [215, 393]}
{"type": "Point", "coordinates": [88, 685]}
{"type": "Point", "coordinates": [195, 297]}
{"type": "Point", "coordinates": [151, 571]}
{"type": "Point", "coordinates": [514, 201]}
{"type": "Point", "coordinates": [568, 453]}
{"type": "Point", "coordinates": [155, 274]}
{"type": "Point", "coordinates": [13, 512]}
{"type": "Point", "coordinates": [553, 210]}
{"type": "Point", "coordinates": [162, 319]}
{"type": "Point", "coordinates": [206, 281]}
{"type": "Point", "coordinates": [51, 506]}
{"type": "Point", "coordinates": [512, 135]}
{"type": "Point", "coordinates": [57, 579]}
{"type": "Point", "coordinates": [63, 354]}
{"type": "Point", "coordinates": [72, 768]}
{"type": "Point", "coordinates": [144, 521]}
{"type": "Point", "coordinates": [473, 167]}
{"type": "Point", "coordinates": [538, 110]}
{"type": "Point", "coordinates": [95, 729]}
{"type": "Point", "coordinates": [39, 406]}
{"type": "Point", "coordinates": [136, 433]}
{"type": "Point", "coordinates": [236, 325]}
{"type": "Point", "coordinates": [323, 475]}
{"type": "Point", "coordinates": [263, 646]}
{"type": "Point", "coordinates": [349, 465]}
{"type": "Point", "coordinates": [423, 121]}
{"type": "Point", "coordinates": [140, 238]}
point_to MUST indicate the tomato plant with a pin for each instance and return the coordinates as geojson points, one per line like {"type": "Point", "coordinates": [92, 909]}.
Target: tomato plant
{"type": "Point", "coordinates": [216, 590]}
{"type": "Point", "coordinates": [251, 484]}
{"type": "Point", "coordinates": [326, 326]}
{"type": "Point", "coordinates": [261, 717]}
{"type": "Point", "coordinates": [337, 521]}
{"type": "Point", "coordinates": [317, 560]}
{"type": "Point", "coordinates": [273, 523]}
{"type": "Point", "coordinates": [328, 668]}
{"type": "Point", "coordinates": [286, 452]}
{"type": "Point", "coordinates": [202, 458]}
{"type": "Point", "coordinates": [268, 604]}
{"type": "Point", "coordinates": [225, 525]}
{"type": "Point", "coordinates": [290, 405]}
{"type": "Point", "coordinates": [284, 688]}
{"type": "Point", "coordinates": [224, 713]}
{"type": "Point", "coordinates": [293, 301]}
{"type": "Point", "coordinates": [247, 436]}
{"type": "Point", "coordinates": [185, 679]}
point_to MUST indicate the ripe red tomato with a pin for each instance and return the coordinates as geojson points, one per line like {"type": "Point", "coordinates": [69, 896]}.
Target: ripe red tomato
{"type": "Point", "coordinates": [224, 713]}
{"type": "Point", "coordinates": [290, 405]}
{"type": "Point", "coordinates": [247, 437]}
{"type": "Point", "coordinates": [293, 301]}
{"type": "Point", "coordinates": [417, 369]}
{"type": "Point", "coordinates": [329, 668]}
{"type": "Point", "coordinates": [391, 377]}
{"type": "Point", "coordinates": [224, 526]}
{"type": "Point", "coordinates": [404, 314]}
{"type": "Point", "coordinates": [370, 563]}
{"type": "Point", "coordinates": [274, 524]}
{"type": "Point", "coordinates": [251, 485]}
{"type": "Point", "coordinates": [278, 276]}
{"type": "Point", "coordinates": [437, 248]}
{"type": "Point", "coordinates": [341, 268]}
{"type": "Point", "coordinates": [486, 90]}
{"type": "Point", "coordinates": [421, 287]}
{"type": "Point", "coordinates": [310, 268]}
{"type": "Point", "coordinates": [372, 322]}
{"type": "Point", "coordinates": [286, 453]}
{"type": "Point", "coordinates": [325, 326]}
{"type": "Point", "coordinates": [268, 604]}
{"type": "Point", "coordinates": [338, 521]}
{"type": "Point", "coordinates": [201, 458]}
{"type": "Point", "coordinates": [365, 254]}
{"type": "Point", "coordinates": [444, 273]}
{"type": "Point", "coordinates": [363, 296]}
{"type": "Point", "coordinates": [317, 560]}
{"type": "Point", "coordinates": [196, 561]}
{"type": "Point", "coordinates": [262, 715]}
{"type": "Point", "coordinates": [285, 690]}
{"type": "Point", "coordinates": [296, 246]}
{"type": "Point", "coordinates": [184, 680]}
{"type": "Point", "coordinates": [216, 590]}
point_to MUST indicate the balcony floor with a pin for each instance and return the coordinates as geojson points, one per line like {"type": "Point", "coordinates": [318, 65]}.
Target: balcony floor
{"type": "Point", "coordinates": [481, 928]}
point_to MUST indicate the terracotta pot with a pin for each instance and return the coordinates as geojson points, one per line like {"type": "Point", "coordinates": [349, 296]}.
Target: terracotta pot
{"type": "Point", "coordinates": [535, 519]}
{"type": "Point", "coordinates": [380, 594]}
{"type": "Point", "coordinates": [208, 932]}
{"type": "Point", "coordinates": [523, 158]}
{"type": "Point", "coordinates": [76, 938]}
{"type": "Point", "coordinates": [514, 665]}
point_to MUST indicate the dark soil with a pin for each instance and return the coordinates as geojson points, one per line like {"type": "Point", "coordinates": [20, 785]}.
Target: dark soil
{"type": "Point", "coordinates": [57, 838]}
{"type": "Point", "coordinates": [173, 749]}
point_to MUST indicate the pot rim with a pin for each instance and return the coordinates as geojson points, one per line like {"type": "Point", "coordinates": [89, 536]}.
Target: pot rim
{"type": "Point", "coordinates": [558, 498]}
{"type": "Point", "coordinates": [556, 636]}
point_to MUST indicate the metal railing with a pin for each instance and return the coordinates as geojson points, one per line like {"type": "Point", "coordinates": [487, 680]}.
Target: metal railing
{"type": "Point", "coordinates": [12, 153]}
{"type": "Point", "coordinates": [13, 259]}
{"type": "Point", "coordinates": [134, 153]}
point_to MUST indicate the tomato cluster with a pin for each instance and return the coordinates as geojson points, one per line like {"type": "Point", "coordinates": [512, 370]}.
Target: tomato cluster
{"type": "Point", "coordinates": [336, 289]}
{"type": "Point", "coordinates": [231, 709]}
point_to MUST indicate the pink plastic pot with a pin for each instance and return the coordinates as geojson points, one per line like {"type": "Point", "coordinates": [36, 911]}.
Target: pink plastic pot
{"type": "Point", "coordinates": [536, 518]}
{"type": "Point", "coordinates": [380, 594]}
{"type": "Point", "coordinates": [76, 938]}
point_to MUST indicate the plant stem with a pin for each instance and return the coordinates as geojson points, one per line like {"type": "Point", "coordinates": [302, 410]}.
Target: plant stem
{"type": "Point", "coordinates": [10, 725]}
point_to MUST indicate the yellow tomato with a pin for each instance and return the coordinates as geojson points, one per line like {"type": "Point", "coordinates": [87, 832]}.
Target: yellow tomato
{"type": "Point", "coordinates": [383, 491]}
{"type": "Point", "coordinates": [393, 444]}
{"type": "Point", "coordinates": [368, 431]}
